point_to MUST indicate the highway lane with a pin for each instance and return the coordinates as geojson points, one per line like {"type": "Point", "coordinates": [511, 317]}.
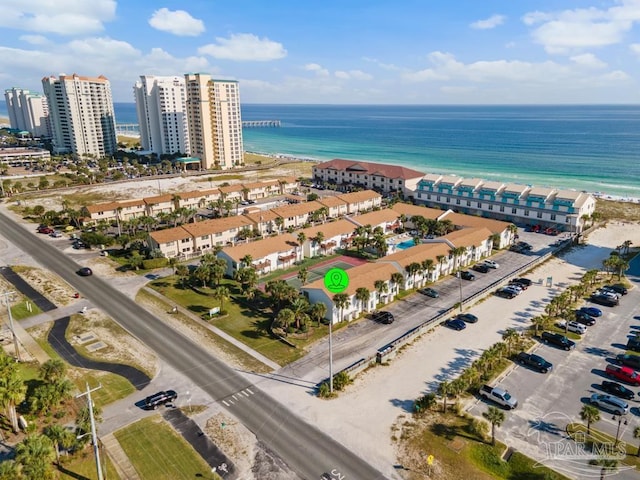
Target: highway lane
{"type": "Point", "coordinates": [307, 450]}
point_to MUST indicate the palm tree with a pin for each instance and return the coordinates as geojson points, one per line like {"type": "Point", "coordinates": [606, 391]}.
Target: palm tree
{"type": "Point", "coordinates": [444, 390]}
{"type": "Point", "coordinates": [607, 465]}
{"type": "Point", "coordinates": [301, 239]}
{"type": "Point", "coordinates": [397, 279]}
{"type": "Point", "coordinates": [495, 417]}
{"type": "Point", "coordinates": [221, 294]}
{"type": "Point", "coordinates": [341, 300]}
{"type": "Point", "coordinates": [589, 414]}
{"type": "Point", "coordinates": [12, 388]}
{"type": "Point", "coordinates": [182, 271]}
{"type": "Point", "coordinates": [35, 454]}
{"type": "Point", "coordinates": [61, 437]}
{"type": "Point", "coordinates": [381, 287]}
{"type": "Point", "coordinates": [318, 311]}
{"type": "Point", "coordinates": [247, 260]}
{"type": "Point", "coordinates": [53, 370]}
{"type": "Point", "coordinates": [363, 295]}
{"type": "Point", "coordinates": [303, 274]}
{"type": "Point", "coordinates": [299, 308]}
{"type": "Point", "coordinates": [510, 337]}
{"type": "Point", "coordinates": [412, 269]}
{"type": "Point", "coordinates": [427, 267]}
{"type": "Point", "coordinates": [284, 318]}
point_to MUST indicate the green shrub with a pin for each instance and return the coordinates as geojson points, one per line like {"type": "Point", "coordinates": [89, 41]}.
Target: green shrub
{"type": "Point", "coordinates": [341, 380]}
{"type": "Point", "coordinates": [151, 263]}
{"type": "Point", "coordinates": [323, 390]}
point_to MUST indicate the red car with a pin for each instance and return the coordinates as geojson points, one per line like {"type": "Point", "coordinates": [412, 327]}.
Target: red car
{"type": "Point", "coordinates": [622, 373]}
{"type": "Point", "coordinates": [45, 230]}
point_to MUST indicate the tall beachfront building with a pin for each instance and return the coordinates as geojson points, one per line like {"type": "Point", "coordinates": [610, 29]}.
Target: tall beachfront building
{"type": "Point", "coordinates": [162, 117]}
{"type": "Point", "coordinates": [28, 111]}
{"type": "Point", "coordinates": [215, 124]}
{"type": "Point", "coordinates": [81, 115]}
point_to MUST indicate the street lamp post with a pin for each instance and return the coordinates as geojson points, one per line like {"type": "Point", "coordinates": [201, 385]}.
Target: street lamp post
{"type": "Point", "coordinates": [460, 285]}
{"type": "Point", "coordinates": [7, 295]}
{"type": "Point", "coordinates": [330, 356]}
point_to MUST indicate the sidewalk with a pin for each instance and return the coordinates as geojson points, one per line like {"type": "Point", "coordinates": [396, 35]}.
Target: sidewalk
{"type": "Point", "coordinates": [225, 336]}
{"type": "Point", "coordinates": [119, 459]}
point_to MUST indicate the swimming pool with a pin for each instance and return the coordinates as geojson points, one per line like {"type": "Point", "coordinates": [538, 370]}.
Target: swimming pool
{"type": "Point", "coordinates": [406, 244]}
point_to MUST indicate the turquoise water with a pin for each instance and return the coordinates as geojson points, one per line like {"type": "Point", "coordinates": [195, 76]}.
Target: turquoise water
{"type": "Point", "coordinates": [592, 148]}
{"type": "Point", "coordinates": [406, 244]}
{"type": "Point", "coordinates": [584, 147]}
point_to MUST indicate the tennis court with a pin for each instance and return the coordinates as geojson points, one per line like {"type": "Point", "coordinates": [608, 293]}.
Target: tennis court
{"type": "Point", "coordinates": [318, 271]}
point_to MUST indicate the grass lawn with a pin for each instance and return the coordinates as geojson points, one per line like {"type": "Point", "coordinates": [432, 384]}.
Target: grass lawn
{"type": "Point", "coordinates": [24, 309]}
{"type": "Point", "coordinates": [157, 452]}
{"type": "Point", "coordinates": [246, 324]}
{"type": "Point", "coordinates": [460, 454]}
{"type": "Point", "coordinates": [598, 437]}
{"type": "Point", "coordinates": [83, 466]}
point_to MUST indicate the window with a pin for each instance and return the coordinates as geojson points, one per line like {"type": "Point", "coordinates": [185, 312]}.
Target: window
{"type": "Point", "coordinates": [457, 201]}
{"type": "Point", "coordinates": [490, 207]}
{"type": "Point", "coordinates": [479, 204]}
{"type": "Point", "coordinates": [553, 216]}
{"type": "Point", "coordinates": [502, 208]}
{"type": "Point", "coordinates": [526, 213]}
{"type": "Point", "coordinates": [468, 203]}
{"type": "Point", "coordinates": [539, 215]}
{"type": "Point", "coordinates": [514, 210]}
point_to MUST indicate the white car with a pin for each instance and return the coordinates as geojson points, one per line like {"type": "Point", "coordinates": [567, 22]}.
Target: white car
{"type": "Point", "coordinates": [491, 264]}
{"type": "Point", "coordinates": [573, 326]}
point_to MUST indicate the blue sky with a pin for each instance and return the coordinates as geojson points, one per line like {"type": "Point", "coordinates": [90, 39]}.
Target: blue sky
{"type": "Point", "coordinates": [337, 51]}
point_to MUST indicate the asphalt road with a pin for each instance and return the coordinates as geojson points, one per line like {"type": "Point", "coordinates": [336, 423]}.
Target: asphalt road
{"type": "Point", "coordinates": [303, 447]}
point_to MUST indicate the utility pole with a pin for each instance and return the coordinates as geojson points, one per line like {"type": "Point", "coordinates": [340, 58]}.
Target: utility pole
{"type": "Point", "coordinates": [6, 296]}
{"type": "Point", "coordinates": [94, 436]}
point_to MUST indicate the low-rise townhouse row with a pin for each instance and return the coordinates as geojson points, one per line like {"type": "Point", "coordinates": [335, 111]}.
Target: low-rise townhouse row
{"type": "Point", "coordinates": [520, 204]}
{"type": "Point", "coordinates": [273, 221]}
{"type": "Point", "coordinates": [415, 267]}
{"type": "Point", "coordinates": [170, 202]}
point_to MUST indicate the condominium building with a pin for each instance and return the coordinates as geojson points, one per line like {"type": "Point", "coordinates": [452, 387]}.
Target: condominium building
{"type": "Point", "coordinates": [162, 118]}
{"type": "Point", "coordinates": [28, 111]}
{"type": "Point", "coordinates": [214, 120]}
{"type": "Point", "coordinates": [81, 114]}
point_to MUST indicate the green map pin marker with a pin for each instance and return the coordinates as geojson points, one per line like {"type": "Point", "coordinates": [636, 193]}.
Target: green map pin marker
{"type": "Point", "coordinates": [336, 280]}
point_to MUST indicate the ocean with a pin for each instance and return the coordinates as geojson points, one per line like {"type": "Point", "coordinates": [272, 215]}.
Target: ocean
{"type": "Point", "coordinates": [595, 148]}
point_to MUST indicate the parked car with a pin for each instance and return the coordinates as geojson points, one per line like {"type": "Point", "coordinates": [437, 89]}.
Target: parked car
{"type": "Point", "coordinates": [55, 234]}
{"type": "Point", "coordinates": [628, 360]}
{"type": "Point", "coordinates": [491, 264]}
{"type": "Point", "coordinates": [593, 311]}
{"type": "Point", "coordinates": [481, 267]}
{"type": "Point", "coordinates": [516, 287]}
{"type": "Point", "coordinates": [467, 275]}
{"type": "Point", "coordinates": [85, 272]}
{"type": "Point", "coordinates": [608, 293]}
{"type": "Point", "coordinates": [45, 230]}
{"type": "Point", "coordinates": [429, 292]}
{"type": "Point", "coordinates": [584, 318]}
{"type": "Point", "coordinates": [383, 317]}
{"type": "Point", "coordinates": [624, 374]}
{"type": "Point", "coordinates": [558, 340]}
{"type": "Point", "coordinates": [525, 282]}
{"type": "Point", "coordinates": [604, 300]}
{"type": "Point", "coordinates": [573, 326]}
{"type": "Point", "coordinates": [610, 403]}
{"type": "Point", "coordinates": [455, 323]}
{"type": "Point", "coordinates": [618, 288]}
{"type": "Point", "coordinates": [499, 396]}
{"type": "Point", "coordinates": [634, 344]}
{"type": "Point", "coordinates": [160, 398]}
{"type": "Point", "coordinates": [467, 317]}
{"type": "Point", "coordinates": [506, 292]}
{"type": "Point", "coordinates": [614, 388]}
{"type": "Point", "coordinates": [534, 361]}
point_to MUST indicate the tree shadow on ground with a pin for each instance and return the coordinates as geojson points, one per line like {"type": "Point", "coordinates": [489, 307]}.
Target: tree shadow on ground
{"type": "Point", "coordinates": [598, 351]}
{"type": "Point", "coordinates": [405, 405]}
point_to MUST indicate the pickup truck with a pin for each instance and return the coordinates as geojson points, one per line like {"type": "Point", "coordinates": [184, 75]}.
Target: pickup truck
{"type": "Point", "coordinates": [499, 396]}
{"type": "Point", "coordinates": [534, 361]}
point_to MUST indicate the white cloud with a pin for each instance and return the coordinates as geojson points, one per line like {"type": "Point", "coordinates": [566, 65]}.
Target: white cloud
{"type": "Point", "coordinates": [566, 31]}
{"type": "Point", "coordinates": [492, 22]}
{"type": "Point", "coordinates": [635, 48]}
{"type": "Point", "coordinates": [34, 39]}
{"type": "Point", "coordinates": [317, 69]}
{"type": "Point", "coordinates": [384, 66]}
{"type": "Point", "coordinates": [244, 46]}
{"type": "Point", "coordinates": [177, 22]}
{"type": "Point", "coordinates": [352, 75]}
{"type": "Point", "coordinates": [63, 17]}
{"type": "Point", "coordinates": [588, 60]}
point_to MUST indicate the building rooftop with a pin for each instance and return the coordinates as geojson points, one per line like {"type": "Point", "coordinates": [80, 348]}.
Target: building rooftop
{"type": "Point", "coordinates": [416, 210]}
{"type": "Point", "coordinates": [262, 248]}
{"type": "Point", "coordinates": [374, 218]}
{"type": "Point", "coordinates": [217, 225]}
{"type": "Point", "coordinates": [170, 235]}
{"type": "Point", "coordinates": [370, 168]}
{"type": "Point", "coordinates": [361, 196]}
{"type": "Point", "coordinates": [461, 220]}
{"type": "Point", "coordinates": [330, 229]}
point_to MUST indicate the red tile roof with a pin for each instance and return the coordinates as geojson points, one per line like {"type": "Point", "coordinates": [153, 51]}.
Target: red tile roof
{"type": "Point", "coordinates": [370, 168]}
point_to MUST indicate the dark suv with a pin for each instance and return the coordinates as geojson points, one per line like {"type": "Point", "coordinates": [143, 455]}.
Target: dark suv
{"type": "Point", "coordinates": [161, 398]}
{"type": "Point", "coordinates": [383, 317]}
{"type": "Point", "coordinates": [558, 340]}
{"type": "Point", "coordinates": [632, 361]}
